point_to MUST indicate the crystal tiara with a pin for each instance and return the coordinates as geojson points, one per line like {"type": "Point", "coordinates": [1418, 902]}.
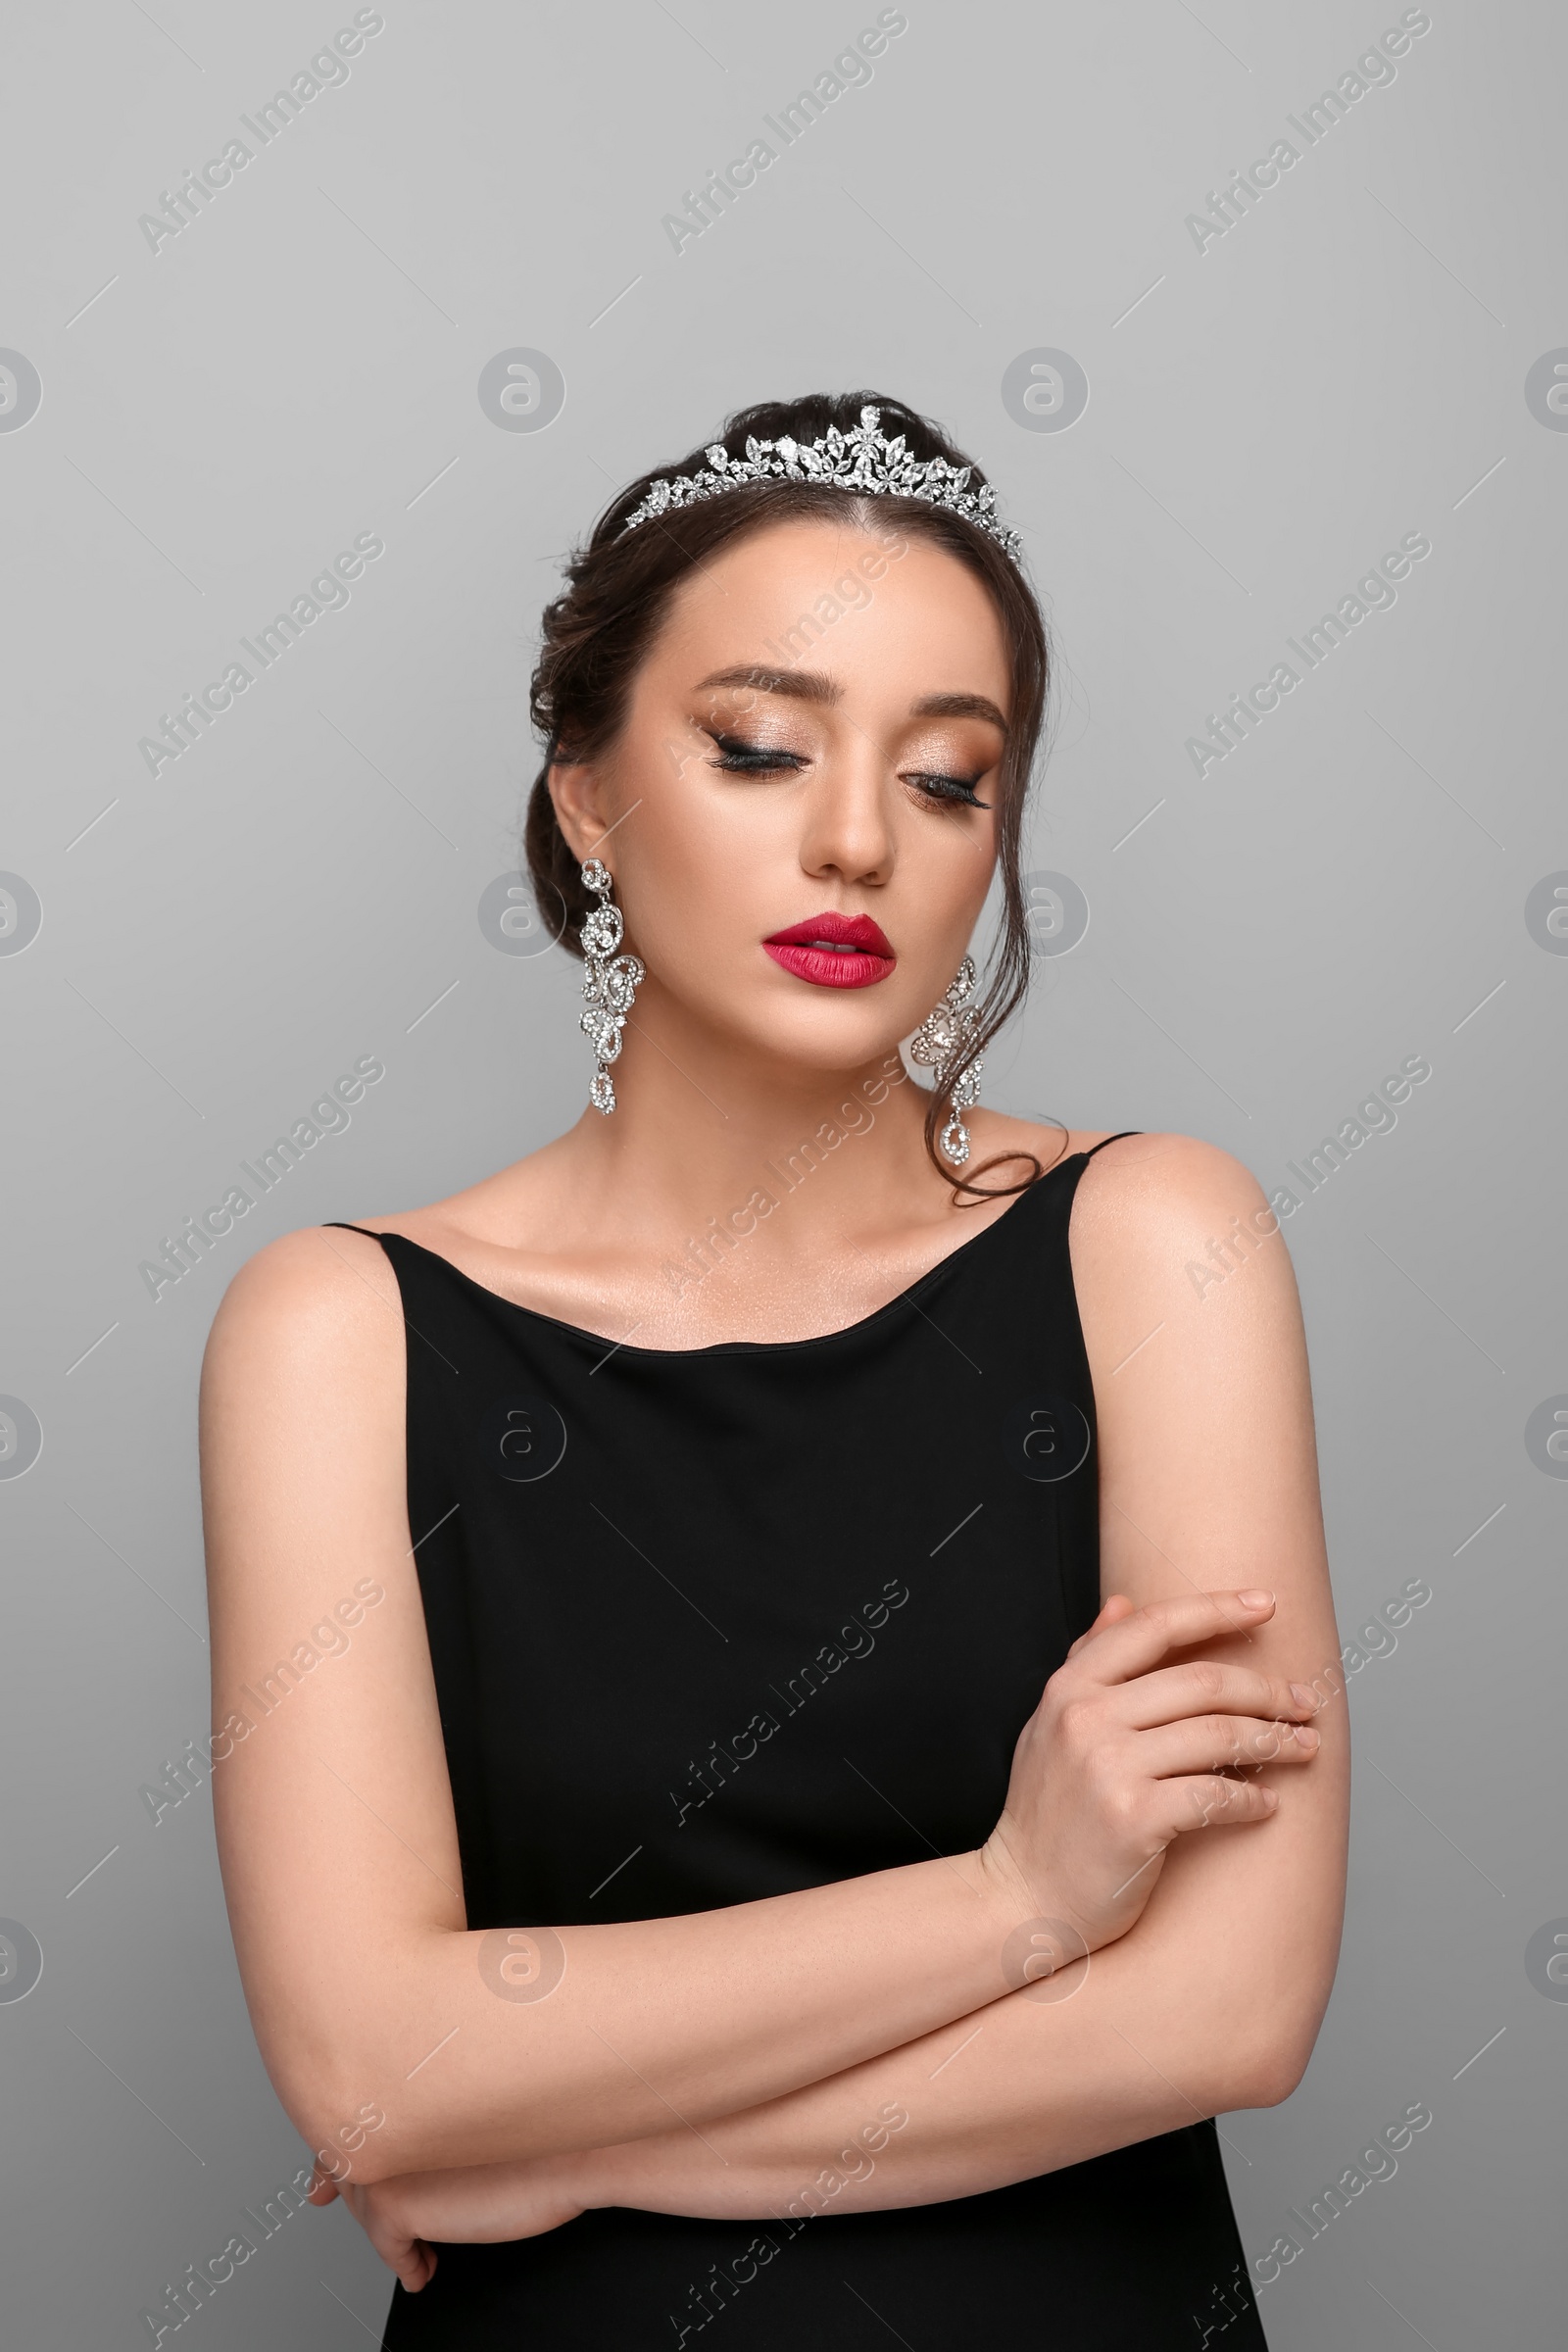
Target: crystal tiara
{"type": "Point", "coordinates": [863, 460]}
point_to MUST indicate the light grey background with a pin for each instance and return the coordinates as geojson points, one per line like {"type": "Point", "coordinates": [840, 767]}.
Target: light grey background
{"type": "Point", "coordinates": [1266, 418]}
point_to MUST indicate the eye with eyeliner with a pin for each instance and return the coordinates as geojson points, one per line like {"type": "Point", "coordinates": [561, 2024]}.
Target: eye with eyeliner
{"type": "Point", "coordinates": [954, 791]}
{"type": "Point", "coordinates": [741, 758]}
{"type": "Point", "coordinates": [736, 757]}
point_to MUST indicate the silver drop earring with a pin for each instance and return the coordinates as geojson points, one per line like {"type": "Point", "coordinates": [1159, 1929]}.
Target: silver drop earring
{"type": "Point", "coordinates": [609, 983]}
{"type": "Point", "coordinates": [941, 1036]}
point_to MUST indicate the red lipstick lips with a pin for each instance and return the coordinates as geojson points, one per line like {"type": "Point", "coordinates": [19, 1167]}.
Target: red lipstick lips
{"type": "Point", "coordinates": [834, 950]}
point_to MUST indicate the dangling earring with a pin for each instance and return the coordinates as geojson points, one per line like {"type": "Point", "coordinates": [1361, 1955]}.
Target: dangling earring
{"type": "Point", "coordinates": [609, 983]}
{"type": "Point", "coordinates": [942, 1036]}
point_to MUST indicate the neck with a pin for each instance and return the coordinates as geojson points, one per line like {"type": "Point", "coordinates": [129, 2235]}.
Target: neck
{"type": "Point", "coordinates": [704, 1125]}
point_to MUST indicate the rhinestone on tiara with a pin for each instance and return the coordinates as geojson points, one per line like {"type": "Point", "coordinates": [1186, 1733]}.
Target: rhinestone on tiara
{"type": "Point", "coordinates": [863, 460]}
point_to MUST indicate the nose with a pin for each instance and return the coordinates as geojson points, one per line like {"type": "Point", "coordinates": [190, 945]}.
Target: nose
{"type": "Point", "coordinates": [847, 835]}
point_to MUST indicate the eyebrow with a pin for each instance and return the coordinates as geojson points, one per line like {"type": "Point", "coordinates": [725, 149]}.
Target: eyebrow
{"type": "Point", "coordinates": [812, 686]}
{"type": "Point", "coordinates": [959, 705]}
{"type": "Point", "coordinates": [805, 685]}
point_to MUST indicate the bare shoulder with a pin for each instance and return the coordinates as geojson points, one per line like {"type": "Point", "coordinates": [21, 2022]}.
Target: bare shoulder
{"type": "Point", "coordinates": [318, 1299]}
{"type": "Point", "coordinates": [303, 1398]}
{"type": "Point", "coordinates": [1173, 1235]}
{"type": "Point", "coordinates": [1157, 1183]}
{"type": "Point", "coordinates": [1139, 1188]}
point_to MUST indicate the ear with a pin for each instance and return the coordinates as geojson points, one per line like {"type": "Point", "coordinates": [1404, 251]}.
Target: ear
{"type": "Point", "coordinates": [575, 790]}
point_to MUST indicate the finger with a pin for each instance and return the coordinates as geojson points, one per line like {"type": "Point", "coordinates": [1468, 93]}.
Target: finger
{"type": "Point", "coordinates": [1113, 1610]}
{"type": "Point", "coordinates": [1204, 1687]}
{"type": "Point", "coordinates": [1205, 1742]}
{"type": "Point", "coordinates": [322, 2188]}
{"type": "Point", "coordinates": [1203, 1803]}
{"type": "Point", "coordinates": [409, 2257]}
{"type": "Point", "coordinates": [1138, 1641]}
{"type": "Point", "coordinates": [414, 2265]}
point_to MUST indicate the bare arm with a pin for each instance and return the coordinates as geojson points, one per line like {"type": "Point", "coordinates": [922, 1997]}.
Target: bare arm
{"type": "Point", "coordinates": [1213, 1999]}
{"type": "Point", "coordinates": [1117, 2049]}
{"type": "Point", "coordinates": [339, 1847]}
{"type": "Point", "coordinates": [1208, 1477]}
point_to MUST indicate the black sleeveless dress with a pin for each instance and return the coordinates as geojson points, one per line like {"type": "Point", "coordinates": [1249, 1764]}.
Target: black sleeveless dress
{"type": "Point", "coordinates": [728, 1622]}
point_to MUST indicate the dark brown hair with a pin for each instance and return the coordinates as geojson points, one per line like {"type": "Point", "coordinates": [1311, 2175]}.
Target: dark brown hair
{"type": "Point", "coordinates": [618, 589]}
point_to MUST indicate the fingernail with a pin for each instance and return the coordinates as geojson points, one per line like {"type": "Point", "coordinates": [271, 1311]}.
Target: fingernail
{"type": "Point", "coordinates": [1306, 1736]}
{"type": "Point", "coordinates": [1255, 1598]}
{"type": "Point", "coordinates": [1304, 1696]}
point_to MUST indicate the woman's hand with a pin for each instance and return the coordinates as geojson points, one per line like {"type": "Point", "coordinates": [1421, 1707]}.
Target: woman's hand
{"type": "Point", "coordinates": [481, 2204]}
{"type": "Point", "coordinates": [1122, 1754]}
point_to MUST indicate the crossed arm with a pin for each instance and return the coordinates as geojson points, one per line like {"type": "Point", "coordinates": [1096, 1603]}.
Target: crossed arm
{"type": "Point", "coordinates": [1154, 2032]}
{"type": "Point", "coordinates": [751, 2053]}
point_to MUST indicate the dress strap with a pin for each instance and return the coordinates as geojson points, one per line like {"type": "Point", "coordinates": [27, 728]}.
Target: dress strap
{"type": "Point", "coordinates": [1111, 1139]}
{"type": "Point", "coordinates": [343, 1227]}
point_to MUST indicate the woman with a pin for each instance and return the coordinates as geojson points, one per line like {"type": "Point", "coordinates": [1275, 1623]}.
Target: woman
{"type": "Point", "coordinates": [740, 1866]}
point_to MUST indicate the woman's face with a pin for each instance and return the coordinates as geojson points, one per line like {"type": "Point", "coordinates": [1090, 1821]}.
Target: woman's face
{"type": "Point", "coordinates": [815, 733]}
